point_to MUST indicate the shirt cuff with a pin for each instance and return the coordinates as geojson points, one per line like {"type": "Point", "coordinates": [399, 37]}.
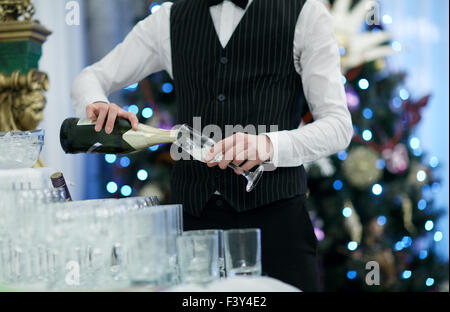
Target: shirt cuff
{"type": "Point", "coordinates": [282, 148]}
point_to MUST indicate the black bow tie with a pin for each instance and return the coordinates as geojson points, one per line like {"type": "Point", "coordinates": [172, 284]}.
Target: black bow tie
{"type": "Point", "coordinates": [240, 3]}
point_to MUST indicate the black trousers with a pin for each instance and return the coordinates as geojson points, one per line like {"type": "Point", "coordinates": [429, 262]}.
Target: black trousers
{"type": "Point", "coordinates": [289, 245]}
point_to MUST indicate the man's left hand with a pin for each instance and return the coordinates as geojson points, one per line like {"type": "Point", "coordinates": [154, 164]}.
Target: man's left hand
{"type": "Point", "coordinates": [247, 149]}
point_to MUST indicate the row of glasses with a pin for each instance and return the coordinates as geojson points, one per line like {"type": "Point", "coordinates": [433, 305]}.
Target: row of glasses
{"type": "Point", "coordinates": [98, 244]}
{"type": "Point", "coordinates": [208, 255]}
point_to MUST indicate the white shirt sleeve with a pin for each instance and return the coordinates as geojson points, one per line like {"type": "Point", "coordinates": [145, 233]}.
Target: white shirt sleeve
{"type": "Point", "coordinates": [317, 60]}
{"type": "Point", "coordinates": [143, 52]}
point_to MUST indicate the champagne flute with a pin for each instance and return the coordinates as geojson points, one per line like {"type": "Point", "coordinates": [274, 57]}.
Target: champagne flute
{"type": "Point", "coordinates": [198, 146]}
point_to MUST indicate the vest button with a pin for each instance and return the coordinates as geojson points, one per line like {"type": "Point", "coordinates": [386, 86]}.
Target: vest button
{"type": "Point", "coordinates": [224, 60]}
{"type": "Point", "coordinates": [221, 98]}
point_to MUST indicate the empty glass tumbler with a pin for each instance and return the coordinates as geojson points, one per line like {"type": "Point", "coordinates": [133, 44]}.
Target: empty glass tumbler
{"type": "Point", "coordinates": [243, 252]}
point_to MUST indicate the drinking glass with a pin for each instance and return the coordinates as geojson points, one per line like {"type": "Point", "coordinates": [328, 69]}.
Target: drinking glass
{"type": "Point", "coordinates": [198, 146]}
{"type": "Point", "coordinates": [219, 234]}
{"type": "Point", "coordinates": [243, 252]}
{"type": "Point", "coordinates": [198, 258]}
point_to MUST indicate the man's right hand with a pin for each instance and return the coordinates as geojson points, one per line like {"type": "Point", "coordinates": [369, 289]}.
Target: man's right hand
{"type": "Point", "coordinates": [101, 111]}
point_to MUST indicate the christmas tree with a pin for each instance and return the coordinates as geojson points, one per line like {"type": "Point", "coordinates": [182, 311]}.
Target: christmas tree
{"type": "Point", "coordinates": [372, 205]}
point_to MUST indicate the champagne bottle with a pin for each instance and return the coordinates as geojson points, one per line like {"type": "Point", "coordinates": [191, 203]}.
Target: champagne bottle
{"type": "Point", "coordinates": [79, 136]}
{"type": "Point", "coordinates": [59, 183]}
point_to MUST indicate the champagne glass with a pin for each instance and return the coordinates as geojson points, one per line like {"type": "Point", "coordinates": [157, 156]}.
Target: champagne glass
{"type": "Point", "coordinates": [198, 146]}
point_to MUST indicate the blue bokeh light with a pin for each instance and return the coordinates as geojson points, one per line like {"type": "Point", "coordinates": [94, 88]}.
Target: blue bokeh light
{"type": "Point", "coordinates": [414, 143]}
{"type": "Point", "coordinates": [404, 94]}
{"type": "Point", "coordinates": [422, 204]}
{"type": "Point", "coordinates": [111, 187]}
{"type": "Point", "coordinates": [423, 254]}
{"type": "Point", "coordinates": [142, 175]}
{"type": "Point", "coordinates": [429, 282]}
{"type": "Point", "coordinates": [434, 162]}
{"type": "Point", "coordinates": [147, 113]}
{"type": "Point", "coordinates": [342, 155]}
{"type": "Point", "coordinates": [133, 109]}
{"type": "Point", "coordinates": [364, 84]}
{"type": "Point", "coordinates": [352, 246]}
{"type": "Point", "coordinates": [367, 135]}
{"type": "Point", "coordinates": [110, 159]}
{"type": "Point", "coordinates": [347, 212]}
{"type": "Point", "coordinates": [377, 189]}
{"type": "Point", "coordinates": [153, 148]}
{"type": "Point", "coordinates": [125, 162]}
{"type": "Point", "coordinates": [126, 190]}
{"type": "Point", "coordinates": [132, 87]}
{"type": "Point", "coordinates": [167, 87]}
{"type": "Point", "coordinates": [338, 185]}
{"type": "Point", "coordinates": [368, 113]}
{"type": "Point", "coordinates": [429, 225]}
{"type": "Point", "coordinates": [351, 274]}
{"type": "Point", "coordinates": [381, 220]}
{"type": "Point", "coordinates": [406, 274]}
{"type": "Point", "coordinates": [438, 236]}
{"type": "Point", "coordinates": [381, 164]}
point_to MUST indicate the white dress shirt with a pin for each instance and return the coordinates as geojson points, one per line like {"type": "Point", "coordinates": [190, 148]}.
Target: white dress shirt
{"type": "Point", "coordinates": [147, 49]}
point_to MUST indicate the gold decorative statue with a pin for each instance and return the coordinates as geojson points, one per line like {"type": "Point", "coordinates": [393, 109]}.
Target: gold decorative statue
{"type": "Point", "coordinates": [22, 101]}
{"type": "Point", "coordinates": [14, 10]}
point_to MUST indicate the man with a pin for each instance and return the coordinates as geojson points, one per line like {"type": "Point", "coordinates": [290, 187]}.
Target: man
{"type": "Point", "coordinates": [240, 62]}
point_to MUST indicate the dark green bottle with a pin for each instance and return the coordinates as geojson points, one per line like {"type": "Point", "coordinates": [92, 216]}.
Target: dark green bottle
{"type": "Point", "coordinates": [79, 136]}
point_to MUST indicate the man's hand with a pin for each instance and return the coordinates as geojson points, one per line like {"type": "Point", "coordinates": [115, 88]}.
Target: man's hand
{"type": "Point", "coordinates": [99, 111]}
{"type": "Point", "coordinates": [240, 148]}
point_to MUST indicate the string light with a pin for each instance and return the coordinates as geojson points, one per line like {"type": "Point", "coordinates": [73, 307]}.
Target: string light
{"type": "Point", "coordinates": [132, 87]}
{"type": "Point", "coordinates": [352, 246]}
{"type": "Point", "coordinates": [364, 84]}
{"type": "Point", "coordinates": [421, 176]}
{"type": "Point", "coordinates": [142, 175]}
{"type": "Point", "coordinates": [438, 236]}
{"type": "Point", "coordinates": [154, 7]}
{"type": "Point", "coordinates": [368, 113]}
{"type": "Point", "coordinates": [406, 274]}
{"type": "Point", "coordinates": [429, 282]}
{"type": "Point", "coordinates": [414, 143]}
{"type": "Point", "coordinates": [342, 155]}
{"type": "Point", "coordinates": [423, 254]}
{"type": "Point", "coordinates": [338, 185]}
{"type": "Point", "coordinates": [387, 19]}
{"type": "Point", "coordinates": [429, 225]}
{"type": "Point", "coordinates": [381, 220]}
{"type": "Point", "coordinates": [377, 189]}
{"type": "Point", "coordinates": [351, 274]}
{"type": "Point", "coordinates": [147, 113]}
{"type": "Point", "coordinates": [396, 46]}
{"type": "Point", "coordinates": [367, 135]}
{"type": "Point", "coordinates": [133, 109]}
{"type": "Point", "coordinates": [404, 94]}
{"type": "Point", "coordinates": [126, 190]}
{"type": "Point", "coordinates": [381, 164]}
{"type": "Point", "coordinates": [422, 204]}
{"type": "Point", "coordinates": [406, 241]}
{"type": "Point", "coordinates": [167, 87]}
{"type": "Point", "coordinates": [111, 187]}
{"type": "Point", "coordinates": [110, 159]}
{"type": "Point", "coordinates": [434, 162]}
{"type": "Point", "coordinates": [125, 162]}
{"type": "Point", "coordinates": [347, 212]}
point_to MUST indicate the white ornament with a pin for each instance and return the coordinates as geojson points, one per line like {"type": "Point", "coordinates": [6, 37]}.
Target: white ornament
{"type": "Point", "coordinates": [360, 47]}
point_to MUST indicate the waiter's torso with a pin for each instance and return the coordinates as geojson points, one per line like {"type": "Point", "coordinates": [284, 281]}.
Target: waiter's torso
{"type": "Point", "coordinates": [250, 81]}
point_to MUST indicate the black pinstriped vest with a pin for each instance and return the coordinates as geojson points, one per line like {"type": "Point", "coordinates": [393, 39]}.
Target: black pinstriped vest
{"type": "Point", "coordinates": [252, 81]}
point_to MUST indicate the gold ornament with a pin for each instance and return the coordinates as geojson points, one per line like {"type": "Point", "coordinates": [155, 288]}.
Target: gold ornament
{"type": "Point", "coordinates": [360, 167]}
{"type": "Point", "coordinates": [353, 224]}
{"type": "Point", "coordinates": [13, 10]}
{"type": "Point", "coordinates": [22, 101]}
{"type": "Point", "coordinates": [407, 209]}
